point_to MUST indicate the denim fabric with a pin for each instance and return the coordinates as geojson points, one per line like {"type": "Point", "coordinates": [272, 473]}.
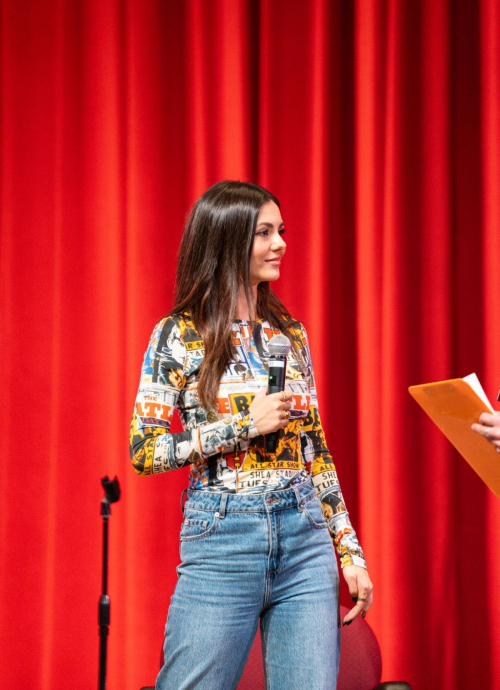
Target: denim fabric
{"type": "Point", "coordinates": [246, 556]}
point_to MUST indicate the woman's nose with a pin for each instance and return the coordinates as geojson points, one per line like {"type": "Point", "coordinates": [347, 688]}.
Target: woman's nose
{"type": "Point", "coordinates": [278, 244]}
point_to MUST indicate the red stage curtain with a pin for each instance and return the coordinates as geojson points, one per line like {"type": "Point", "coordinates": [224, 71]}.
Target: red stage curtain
{"type": "Point", "coordinates": [377, 125]}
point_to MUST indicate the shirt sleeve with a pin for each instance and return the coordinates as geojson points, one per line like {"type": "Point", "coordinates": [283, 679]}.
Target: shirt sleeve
{"type": "Point", "coordinates": [153, 448]}
{"type": "Point", "coordinates": [325, 480]}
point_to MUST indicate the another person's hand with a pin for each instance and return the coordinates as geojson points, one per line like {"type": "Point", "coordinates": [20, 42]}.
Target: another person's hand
{"type": "Point", "coordinates": [361, 590]}
{"type": "Point", "coordinates": [270, 412]}
{"type": "Point", "coordinates": [489, 427]}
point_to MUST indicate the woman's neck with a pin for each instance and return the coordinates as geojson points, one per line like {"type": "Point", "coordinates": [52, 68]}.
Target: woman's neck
{"type": "Point", "coordinates": [242, 309]}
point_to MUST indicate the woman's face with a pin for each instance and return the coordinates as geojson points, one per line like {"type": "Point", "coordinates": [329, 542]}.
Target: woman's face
{"type": "Point", "coordinates": [268, 245]}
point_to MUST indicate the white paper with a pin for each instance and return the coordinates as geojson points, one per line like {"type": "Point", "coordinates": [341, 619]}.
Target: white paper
{"type": "Point", "coordinates": [473, 382]}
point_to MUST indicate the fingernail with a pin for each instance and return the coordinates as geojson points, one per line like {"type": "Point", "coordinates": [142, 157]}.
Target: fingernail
{"type": "Point", "coordinates": [347, 623]}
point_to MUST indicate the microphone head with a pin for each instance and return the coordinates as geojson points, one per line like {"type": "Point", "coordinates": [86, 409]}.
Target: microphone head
{"type": "Point", "coordinates": [279, 346]}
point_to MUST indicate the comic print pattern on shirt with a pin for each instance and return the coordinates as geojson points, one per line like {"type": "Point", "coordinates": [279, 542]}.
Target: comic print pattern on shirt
{"type": "Point", "coordinates": [223, 446]}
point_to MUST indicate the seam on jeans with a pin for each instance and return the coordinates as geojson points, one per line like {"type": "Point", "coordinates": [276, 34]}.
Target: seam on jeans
{"type": "Point", "coordinates": [194, 522]}
{"type": "Point", "coordinates": [298, 498]}
{"type": "Point", "coordinates": [213, 510]}
{"type": "Point", "coordinates": [264, 659]}
{"type": "Point", "coordinates": [275, 508]}
{"type": "Point", "coordinates": [279, 542]}
{"type": "Point", "coordinates": [281, 547]}
{"type": "Point", "coordinates": [309, 498]}
{"type": "Point", "coordinates": [183, 500]}
{"type": "Point", "coordinates": [191, 506]}
{"type": "Point", "coordinates": [229, 509]}
{"type": "Point", "coordinates": [270, 535]}
{"type": "Point", "coordinates": [203, 535]}
{"type": "Point", "coordinates": [316, 525]}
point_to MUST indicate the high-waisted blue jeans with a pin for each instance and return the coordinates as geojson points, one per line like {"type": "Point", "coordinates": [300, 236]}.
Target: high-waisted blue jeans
{"type": "Point", "coordinates": [245, 557]}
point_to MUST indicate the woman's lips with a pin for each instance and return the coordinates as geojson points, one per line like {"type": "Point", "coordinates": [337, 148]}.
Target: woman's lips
{"type": "Point", "coordinates": [276, 262]}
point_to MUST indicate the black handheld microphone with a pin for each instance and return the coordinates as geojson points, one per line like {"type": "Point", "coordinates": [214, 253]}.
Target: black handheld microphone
{"type": "Point", "coordinates": [279, 348]}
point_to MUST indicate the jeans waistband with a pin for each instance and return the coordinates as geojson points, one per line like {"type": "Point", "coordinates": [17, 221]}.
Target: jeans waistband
{"type": "Point", "coordinates": [254, 502]}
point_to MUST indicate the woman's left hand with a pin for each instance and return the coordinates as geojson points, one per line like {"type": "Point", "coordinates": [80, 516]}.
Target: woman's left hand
{"type": "Point", "coordinates": [361, 590]}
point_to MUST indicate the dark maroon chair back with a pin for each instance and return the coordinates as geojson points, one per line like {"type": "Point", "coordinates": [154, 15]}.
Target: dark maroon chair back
{"type": "Point", "coordinates": [360, 665]}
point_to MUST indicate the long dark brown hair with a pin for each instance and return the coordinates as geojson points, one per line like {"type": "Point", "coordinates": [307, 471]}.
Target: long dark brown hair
{"type": "Point", "coordinates": [214, 259]}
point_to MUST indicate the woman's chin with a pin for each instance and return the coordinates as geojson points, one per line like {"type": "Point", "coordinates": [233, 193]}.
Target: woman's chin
{"type": "Point", "coordinates": [267, 275]}
{"type": "Point", "coordinates": [272, 274]}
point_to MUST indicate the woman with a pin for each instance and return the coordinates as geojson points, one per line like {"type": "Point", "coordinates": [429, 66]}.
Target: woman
{"type": "Point", "coordinates": [255, 540]}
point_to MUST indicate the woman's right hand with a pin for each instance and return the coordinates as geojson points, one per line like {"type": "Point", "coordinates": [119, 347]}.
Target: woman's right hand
{"type": "Point", "coordinates": [268, 411]}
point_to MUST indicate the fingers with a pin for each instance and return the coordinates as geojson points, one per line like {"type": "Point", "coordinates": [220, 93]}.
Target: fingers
{"type": "Point", "coordinates": [354, 613]}
{"type": "Point", "coordinates": [360, 608]}
{"type": "Point", "coordinates": [284, 412]}
{"type": "Point", "coordinates": [488, 419]}
{"type": "Point", "coordinates": [285, 421]}
{"type": "Point", "coordinates": [283, 402]}
{"type": "Point", "coordinates": [482, 430]}
{"type": "Point", "coordinates": [490, 432]}
{"type": "Point", "coordinates": [282, 397]}
{"type": "Point", "coordinates": [271, 412]}
{"type": "Point", "coordinates": [361, 589]}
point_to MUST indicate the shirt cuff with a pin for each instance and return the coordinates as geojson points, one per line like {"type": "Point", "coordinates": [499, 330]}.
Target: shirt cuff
{"type": "Point", "coordinates": [244, 426]}
{"type": "Point", "coordinates": [223, 435]}
{"type": "Point", "coordinates": [350, 559]}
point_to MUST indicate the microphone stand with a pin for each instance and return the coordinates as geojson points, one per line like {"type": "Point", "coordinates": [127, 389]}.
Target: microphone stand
{"type": "Point", "coordinates": [112, 494]}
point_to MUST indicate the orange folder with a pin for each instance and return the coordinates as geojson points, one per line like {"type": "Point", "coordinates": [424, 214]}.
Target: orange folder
{"type": "Point", "coordinates": [455, 405]}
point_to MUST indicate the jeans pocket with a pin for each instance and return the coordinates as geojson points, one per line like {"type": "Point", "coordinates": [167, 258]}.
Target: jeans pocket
{"type": "Point", "coordinates": [198, 524]}
{"type": "Point", "coordinates": [314, 512]}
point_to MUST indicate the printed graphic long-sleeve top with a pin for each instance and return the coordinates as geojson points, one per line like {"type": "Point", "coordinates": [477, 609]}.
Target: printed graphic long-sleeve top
{"type": "Point", "coordinates": [223, 446]}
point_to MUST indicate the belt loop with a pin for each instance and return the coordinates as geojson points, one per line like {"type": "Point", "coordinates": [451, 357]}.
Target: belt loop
{"type": "Point", "coordinates": [222, 507]}
{"type": "Point", "coordinates": [300, 507]}
{"type": "Point", "coordinates": [182, 499]}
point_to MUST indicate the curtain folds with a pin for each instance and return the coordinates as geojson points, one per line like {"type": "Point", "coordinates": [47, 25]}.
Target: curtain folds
{"type": "Point", "coordinates": [377, 125]}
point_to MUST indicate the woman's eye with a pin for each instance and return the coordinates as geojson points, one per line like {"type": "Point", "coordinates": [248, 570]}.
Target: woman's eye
{"type": "Point", "coordinates": [265, 233]}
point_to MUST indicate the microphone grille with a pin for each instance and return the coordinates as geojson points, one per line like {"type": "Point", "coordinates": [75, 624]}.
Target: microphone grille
{"type": "Point", "coordinates": [279, 345]}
